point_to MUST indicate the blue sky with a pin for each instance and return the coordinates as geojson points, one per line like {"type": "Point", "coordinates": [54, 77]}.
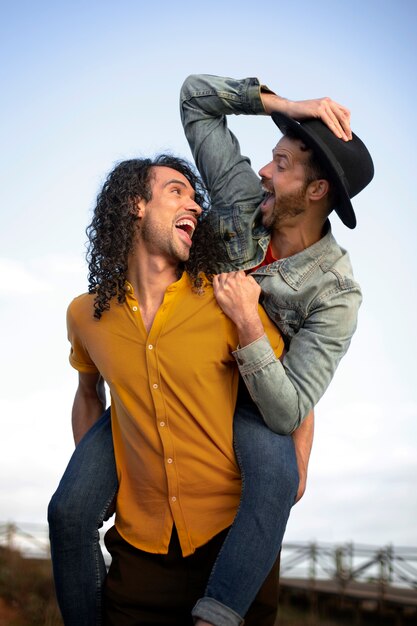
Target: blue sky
{"type": "Point", "coordinates": [87, 84]}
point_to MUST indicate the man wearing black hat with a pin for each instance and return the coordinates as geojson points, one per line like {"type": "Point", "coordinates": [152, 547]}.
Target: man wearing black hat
{"type": "Point", "coordinates": [278, 229]}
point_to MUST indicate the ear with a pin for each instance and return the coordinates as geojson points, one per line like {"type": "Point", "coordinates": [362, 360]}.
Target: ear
{"type": "Point", "coordinates": [140, 207]}
{"type": "Point", "coordinates": [317, 189]}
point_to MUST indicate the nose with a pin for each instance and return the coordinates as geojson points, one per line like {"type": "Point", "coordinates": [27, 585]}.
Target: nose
{"type": "Point", "coordinates": [265, 171]}
{"type": "Point", "coordinates": [195, 208]}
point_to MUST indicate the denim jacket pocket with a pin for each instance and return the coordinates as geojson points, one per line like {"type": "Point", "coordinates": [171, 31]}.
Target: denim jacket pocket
{"type": "Point", "coordinates": [238, 233]}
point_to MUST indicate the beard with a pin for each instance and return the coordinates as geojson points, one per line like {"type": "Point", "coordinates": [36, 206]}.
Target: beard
{"type": "Point", "coordinates": [286, 206]}
{"type": "Point", "coordinates": [160, 238]}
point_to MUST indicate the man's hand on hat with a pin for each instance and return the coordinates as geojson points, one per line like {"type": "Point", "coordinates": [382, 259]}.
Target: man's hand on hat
{"type": "Point", "coordinates": [333, 114]}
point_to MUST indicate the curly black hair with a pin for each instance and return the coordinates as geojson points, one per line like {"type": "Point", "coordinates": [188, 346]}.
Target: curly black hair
{"type": "Point", "coordinates": [111, 234]}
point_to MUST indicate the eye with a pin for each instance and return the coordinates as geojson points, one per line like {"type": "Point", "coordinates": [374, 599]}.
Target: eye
{"type": "Point", "coordinates": [176, 190]}
{"type": "Point", "coordinates": [279, 164]}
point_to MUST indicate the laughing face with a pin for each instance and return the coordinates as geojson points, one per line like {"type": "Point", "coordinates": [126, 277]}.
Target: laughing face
{"type": "Point", "coordinates": [169, 218]}
{"type": "Point", "coordinates": [284, 181]}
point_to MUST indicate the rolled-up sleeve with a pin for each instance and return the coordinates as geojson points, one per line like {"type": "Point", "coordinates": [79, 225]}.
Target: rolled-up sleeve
{"type": "Point", "coordinates": [265, 379]}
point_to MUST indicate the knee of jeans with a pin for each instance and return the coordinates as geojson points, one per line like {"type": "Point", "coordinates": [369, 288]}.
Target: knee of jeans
{"type": "Point", "coordinates": [62, 514]}
{"type": "Point", "coordinates": [277, 468]}
{"type": "Point", "coordinates": [289, 478]}
{"type": "Point", "coordinates": [58, 510]}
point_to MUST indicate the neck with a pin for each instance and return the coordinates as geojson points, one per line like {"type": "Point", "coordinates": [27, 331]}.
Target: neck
{"type": "Point", "coordinates": [289, 239]}
{"type": "Point", "coordinates": [150, 276]}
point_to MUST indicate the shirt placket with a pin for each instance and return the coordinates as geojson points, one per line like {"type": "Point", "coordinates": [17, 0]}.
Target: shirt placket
{"type": "Point", "coordinates": [154, 343]}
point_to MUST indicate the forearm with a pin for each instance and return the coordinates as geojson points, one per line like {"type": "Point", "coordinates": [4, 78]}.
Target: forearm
{"type": "Point", "coordinates": [331, 113]}
{"type": "Point", "coordinates": [272, 102]}
{"type": "Point", "coordinates": [88, 406]}
{"type": "Point", "coordinates": [313, 356]}
{"type": "Point", "coordinates": [209, 99]}
{"type": "Point", "coordinates": [206, 100]}
{"type": "Point", "coordinates": [205, 103]}
{"type": "Point", "coordinates": [303, 442]}
{"type": "Point", "coordinates": [248, 332]}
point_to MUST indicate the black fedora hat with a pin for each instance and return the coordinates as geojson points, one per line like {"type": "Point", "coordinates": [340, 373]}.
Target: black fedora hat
{"type": "Point", "coordinates": [348, 162]}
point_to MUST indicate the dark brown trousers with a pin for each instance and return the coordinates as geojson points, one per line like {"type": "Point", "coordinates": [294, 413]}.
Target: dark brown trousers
{"type": "Point", "coordinates": [144, 589]}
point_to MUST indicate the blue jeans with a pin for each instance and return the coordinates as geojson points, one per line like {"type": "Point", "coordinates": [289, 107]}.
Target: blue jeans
{"type": "Point", "coordinates": [269, 485]}
{"type": "Point", "coordinates": [76, 512]}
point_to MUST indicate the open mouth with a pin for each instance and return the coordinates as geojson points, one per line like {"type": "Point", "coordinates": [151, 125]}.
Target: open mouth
{"type": "Point", "coordinates": [269, 195]}
{"type": "Point", "coordinates": [187, 226]}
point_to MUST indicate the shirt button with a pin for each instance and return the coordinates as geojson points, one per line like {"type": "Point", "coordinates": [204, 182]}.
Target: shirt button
{"type": "Point", "coordinates": [169, 460]}
{"type": "Point", "coordinates": [150, 346]}
{"type": "Point", "coordinates": [155, 386]}
{"type": "Point", "coordinates": [162, 424]}
{"type": "Point", "coordinates": [134, 308]}
{"type": "Point", "coordinates": [174, 499]}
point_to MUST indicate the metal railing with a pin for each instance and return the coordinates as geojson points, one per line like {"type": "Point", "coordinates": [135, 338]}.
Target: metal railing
{"type": "Point", "coordinates": [389, 565]}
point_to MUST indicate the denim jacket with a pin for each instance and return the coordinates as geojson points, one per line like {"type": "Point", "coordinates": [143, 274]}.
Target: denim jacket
{"type": "Point", "coordinates": [311, 296]}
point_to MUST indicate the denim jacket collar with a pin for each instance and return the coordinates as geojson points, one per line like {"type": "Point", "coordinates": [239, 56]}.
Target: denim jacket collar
{"type": "Point", "coordinates": [296, 268]}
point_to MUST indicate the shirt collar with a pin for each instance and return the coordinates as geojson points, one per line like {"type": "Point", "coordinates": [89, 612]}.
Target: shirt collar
{"type": "Point", "coordinates": [296, 268]}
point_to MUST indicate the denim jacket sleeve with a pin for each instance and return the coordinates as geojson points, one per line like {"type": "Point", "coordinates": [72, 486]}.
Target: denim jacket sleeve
{"type": "Point", "coordinates": [235, 190]}
{"type": "Point", "coordinates": [264, 376]}
{"type": "Point", "coordinates": [286, 392]}
{"type": "Point", "coordinates": [205, 101]}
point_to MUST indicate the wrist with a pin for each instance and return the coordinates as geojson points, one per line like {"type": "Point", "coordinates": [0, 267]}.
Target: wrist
{"type": "Point", "coordinates": [249, 330]}
{"type": "Point", "coordinates": [273, 103]}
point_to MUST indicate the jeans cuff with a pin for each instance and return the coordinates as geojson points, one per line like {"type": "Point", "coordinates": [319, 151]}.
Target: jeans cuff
{"type": "Point", "coordinates": [215, 612]}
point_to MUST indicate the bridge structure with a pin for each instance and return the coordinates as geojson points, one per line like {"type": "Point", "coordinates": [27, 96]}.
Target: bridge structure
{"type": "Point", "coordinates": [363, 577]}
{"type": "Point", "coordinates": [31, 540]}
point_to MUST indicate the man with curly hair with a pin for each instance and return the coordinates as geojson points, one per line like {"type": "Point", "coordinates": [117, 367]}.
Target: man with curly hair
{"type": "Point", "coordinates": [151, 328]}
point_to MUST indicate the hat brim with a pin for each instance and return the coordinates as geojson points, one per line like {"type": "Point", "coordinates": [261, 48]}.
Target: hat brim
{"type": "Point", "coordinates": [344, 208]}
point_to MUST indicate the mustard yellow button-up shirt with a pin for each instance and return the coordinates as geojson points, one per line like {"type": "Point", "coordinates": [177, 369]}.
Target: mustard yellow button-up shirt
{"type": "Point", "coordinates": [173, 393]}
